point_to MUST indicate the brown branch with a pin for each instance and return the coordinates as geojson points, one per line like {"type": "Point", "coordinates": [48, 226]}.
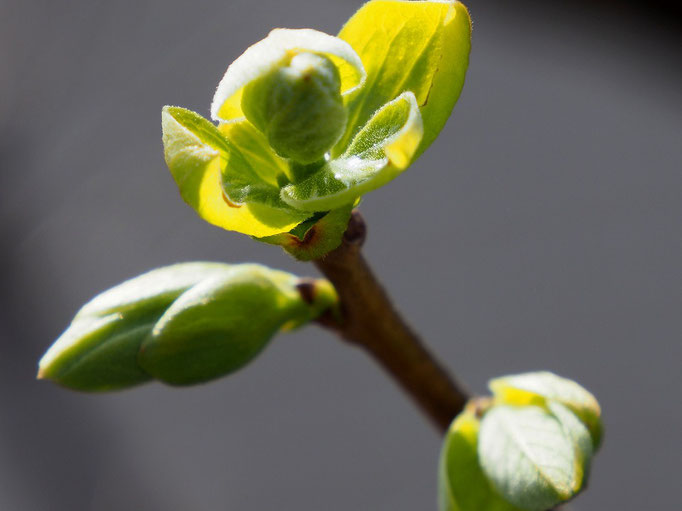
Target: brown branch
{"type": "Point", "coordinates": [370, 321]}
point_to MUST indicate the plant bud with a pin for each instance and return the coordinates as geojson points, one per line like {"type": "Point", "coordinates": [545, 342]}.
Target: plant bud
{"type": "Point", "coordinates": [183, 324]}
{"type": "Point", "coordinates": [98, 352]}
{"type": "Point", "coordinates": [221, 324]}
{"type": "Point", "coordinates": [298, 106]}
{"type": "Point", "coordinates": [541, 386]}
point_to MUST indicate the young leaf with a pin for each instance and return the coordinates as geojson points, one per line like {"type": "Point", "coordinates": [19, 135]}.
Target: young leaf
{"type": "Point", "coordinates": [298, 106]}
{"type": "Point", "coordinates": [534, 459]}
{"type": "Point", "coordinates": [537, 387]}
{"type": "Point", "coordinates": [195, 152]}
{"type": "Point", "coordinates": [252, 173]}
{"type": "Point", "coordinates": [261, 58]}
{"type": "Point", "coordinates": [255, 149]}
{"type": "Point", "coordinates": [379, 152]}
{"type": "Point", "coordinates": [422, 47]}
{"type": "Point", "coordinates": [222, 323]}
{"type": "Point", "coordinates": [576, 429]}
{"type": "Point", "coordinates": [462, 485]}
{"type": "Point", "coordinates": [98, 352]}
{"type": "Point", "coordinates": [152, 291]}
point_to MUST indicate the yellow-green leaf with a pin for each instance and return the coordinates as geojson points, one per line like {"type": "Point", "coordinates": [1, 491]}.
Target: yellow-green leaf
{"type": "Point", "coordinates": [196, 152]}
{"type": "Point", "coordinates": [379, 152]}
{"type": "Point", "coordinates": [252, 172]}
{"type": "Point", "coordinates": [420, 46]}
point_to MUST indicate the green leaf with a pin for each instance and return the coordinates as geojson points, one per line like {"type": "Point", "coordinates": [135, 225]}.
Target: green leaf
{"type": "Point", "coordinates": [221, 324]}
{"type": "Point", "coordinates": [532, 457]}
{"type": "Point", "coordinates": [378, 153]}
{"type": "Point", "coordinates": [264, 56]}
{"type": "Point", "coordinates": [252, 172]}
{"type": "Point", "coordinates": [196, 151]}
{"type": "Point", "coordinates": [298, 106]}
{"type": "Point", "coordinates": [422, 47]}
{"type": "Point", "coordinates": [315, 237]}
{"type": "Point", "coordinates": [150, 292]}
{"type": "Point", "coordinates": [98, 352]}
{"type": "Point", "coordinates": [462, 484]}
{"type": "Point", "coordinates": [537, 387]}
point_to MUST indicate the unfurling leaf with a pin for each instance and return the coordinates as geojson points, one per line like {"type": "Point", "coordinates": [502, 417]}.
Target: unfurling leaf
{"type": "Point", "coordinates": [462, 485]}
{"type": "Point", "coordinates": [266, 55]}
{"type": "Point", "coordinates": [298, 107]}
{"type": "Point", "coordinates": [196, 153]}
{"type": "Point", "coordinates": [534, 457]}
{"type": "Point", "coordinates": [528, 448]}
{"type": "Point", "coordinates": [378, 153]}
{"type": "Point", "coordinates": [422, 47]}
{"type": "Point", "coordinates": [538, 387]}
{"type": "Point", "coordinates": [182, 324]}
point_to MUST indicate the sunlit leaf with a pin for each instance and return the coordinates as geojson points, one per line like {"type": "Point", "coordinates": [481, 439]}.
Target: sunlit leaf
{"type": "Point", "coordinates": [378, 153]}
{"type": "Point", "coordinates": [195, 152]}
{"type": "Point", "coordinates": [151, 291]}
{"type": "Point", "coordinates": [266, 54]}
{"type": "Point", "coordinates": [537, 387]}
{"type": "Point", "coordinates": [462, 485]}
{"type": "Point", "coordinates": [531, 456]}
{"type": "Point", "coordinates": [252, 173]}
{"type": "Point", "coordinates": [579, 434]}
{"type": "Point", "coordinates": [420, 46]}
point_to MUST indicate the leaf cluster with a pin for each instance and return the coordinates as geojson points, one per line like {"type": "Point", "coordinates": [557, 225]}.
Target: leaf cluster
{"type": "Point", "coordinates": [400, 68]}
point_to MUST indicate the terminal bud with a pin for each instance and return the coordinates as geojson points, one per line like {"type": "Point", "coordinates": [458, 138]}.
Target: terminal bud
{"type": "Point", "coordinates": [298, 106]}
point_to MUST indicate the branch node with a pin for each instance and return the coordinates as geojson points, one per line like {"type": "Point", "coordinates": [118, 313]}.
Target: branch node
{"type": "Point", "coordinates": [306, 288]}
{"type": "Point", "coordinates": [356, 232]}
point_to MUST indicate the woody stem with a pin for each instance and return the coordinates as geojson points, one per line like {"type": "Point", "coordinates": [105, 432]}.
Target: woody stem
{"type": "Point", "coordinates": [371, 322]}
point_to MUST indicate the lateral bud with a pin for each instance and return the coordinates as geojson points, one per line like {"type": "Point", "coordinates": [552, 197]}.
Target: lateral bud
{"type": "Point", "coordinates": [182, 324]}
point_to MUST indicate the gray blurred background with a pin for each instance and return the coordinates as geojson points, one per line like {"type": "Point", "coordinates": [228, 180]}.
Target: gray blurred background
{"type": "Point", "coordinates": [541, 231]}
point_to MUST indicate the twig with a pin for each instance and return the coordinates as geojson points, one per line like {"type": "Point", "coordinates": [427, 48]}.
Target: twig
{"type": "Point", "coordinates": [369, 320]}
